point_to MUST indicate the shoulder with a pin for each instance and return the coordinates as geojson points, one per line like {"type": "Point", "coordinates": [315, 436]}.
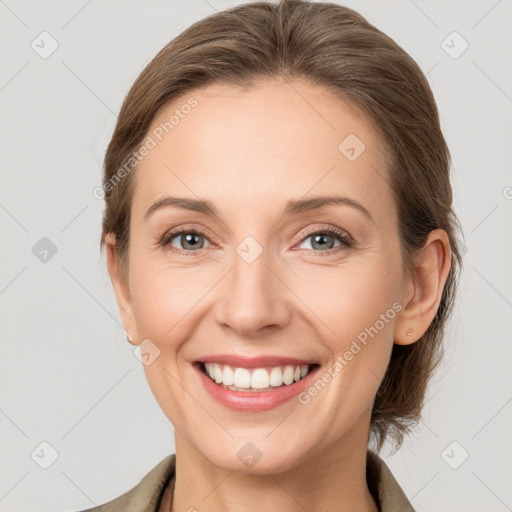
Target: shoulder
{"type": "Point", "coordinates": [382, 482]}
{"type": "Point", "coordinates": [146, 495]}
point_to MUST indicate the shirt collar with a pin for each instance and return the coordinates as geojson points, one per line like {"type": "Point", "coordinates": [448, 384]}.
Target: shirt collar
{"type": "Point", "coordinates": [155, 489]}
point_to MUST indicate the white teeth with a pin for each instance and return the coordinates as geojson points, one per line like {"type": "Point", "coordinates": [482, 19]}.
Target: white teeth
{"type": "Point", "coordinates": [276, 377]}
{"type": "Point", "coordinates": [242, 378]}
{"type": "Point", "coordinates": [288, 375]}
{"type": "Point", "coordinates": [257, 378]}
{"type": "Point", "coordinates": [260, 379]}
{"type": "Point", "coordinates": [217, 373]}
{"type": "Point", "coordinates": [227, 376]}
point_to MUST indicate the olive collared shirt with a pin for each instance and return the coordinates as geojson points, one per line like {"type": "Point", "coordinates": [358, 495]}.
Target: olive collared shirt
{"type": "Point", "coordinates": [154, 492]}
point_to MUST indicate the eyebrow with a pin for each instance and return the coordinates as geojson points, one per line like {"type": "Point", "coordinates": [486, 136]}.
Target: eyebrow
{"type": "Point", "coordinates": [293, 207]}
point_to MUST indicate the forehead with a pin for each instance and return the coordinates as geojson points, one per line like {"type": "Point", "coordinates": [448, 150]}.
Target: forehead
{"type": "Point", "coordinates": [248, 149]}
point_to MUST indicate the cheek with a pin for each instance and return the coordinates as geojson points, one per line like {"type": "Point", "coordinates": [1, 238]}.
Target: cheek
{"type": "Point", "coordinates": [163, 303]}
{"type": "Point", "coordinates": [355, 308]}
{"type": "Point", "coordinates": [345, 301]}
{"type": "Point", "coordinates": [164, 299]}
{"type": "Point", "coordinates": [163, 380]}
{"type": "Point", "coordinates": [359, 310]}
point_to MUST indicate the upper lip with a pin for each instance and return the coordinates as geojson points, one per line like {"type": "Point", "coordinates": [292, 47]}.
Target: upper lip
{"type": "Point", "coordinates": [253, 362]}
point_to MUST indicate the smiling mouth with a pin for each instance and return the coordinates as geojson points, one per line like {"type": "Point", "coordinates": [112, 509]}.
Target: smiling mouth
{"type": "Point", "coordinates": [266, 378]}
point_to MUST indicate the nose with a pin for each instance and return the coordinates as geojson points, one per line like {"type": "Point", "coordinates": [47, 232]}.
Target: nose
{"type": "Point", "coordinates": [253, 299]}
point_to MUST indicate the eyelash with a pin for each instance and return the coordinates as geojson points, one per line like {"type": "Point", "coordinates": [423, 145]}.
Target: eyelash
{"type": "Point", "coordinates": [345, 239]}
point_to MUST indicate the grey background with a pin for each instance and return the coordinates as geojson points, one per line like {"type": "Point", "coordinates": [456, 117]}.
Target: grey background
{"type": "Point", "coordinates": [68, 376]}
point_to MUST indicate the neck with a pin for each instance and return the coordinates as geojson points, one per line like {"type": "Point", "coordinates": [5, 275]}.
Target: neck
{"type": "Point", "coordinates": [333, 479]}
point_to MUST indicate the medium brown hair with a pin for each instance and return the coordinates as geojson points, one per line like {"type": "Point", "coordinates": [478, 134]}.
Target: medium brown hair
{"type": "Point", "coordinates": [336, 48]}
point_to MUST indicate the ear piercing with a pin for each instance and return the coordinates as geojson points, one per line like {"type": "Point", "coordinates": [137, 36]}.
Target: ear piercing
{"type": "Point", "coordinates": [409, 332]}
{"type": "Point", "coordinates": [129, 338]}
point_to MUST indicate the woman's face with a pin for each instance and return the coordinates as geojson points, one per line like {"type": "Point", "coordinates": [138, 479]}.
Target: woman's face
{"type": "Point", "coordinates": [264, 278]}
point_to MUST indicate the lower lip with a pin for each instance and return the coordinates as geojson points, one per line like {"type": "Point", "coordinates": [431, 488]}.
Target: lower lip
{"type": "Point", "coordinates": [254, 401]}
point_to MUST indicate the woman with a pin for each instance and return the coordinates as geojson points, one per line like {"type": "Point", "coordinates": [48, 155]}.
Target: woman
{"type": "Point", "coordinates": [281, 241]}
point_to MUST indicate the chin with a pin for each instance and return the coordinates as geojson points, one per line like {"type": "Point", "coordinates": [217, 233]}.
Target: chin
{"type": "Point", "coordinates": [251, 461]}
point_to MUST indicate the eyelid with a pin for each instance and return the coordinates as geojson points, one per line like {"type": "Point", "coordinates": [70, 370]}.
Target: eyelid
{"type": "Point", "coordinates": [343, 236]}
{"type": "Point", "coordinates": [183, 228]}
{"type": "Point", "coordinates": [332, 230]}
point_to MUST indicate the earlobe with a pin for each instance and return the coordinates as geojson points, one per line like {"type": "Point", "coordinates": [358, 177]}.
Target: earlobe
{"type": "Point", "coordinates": [121, 289]}
{"type": "Point", "coordinates": [428, 277]}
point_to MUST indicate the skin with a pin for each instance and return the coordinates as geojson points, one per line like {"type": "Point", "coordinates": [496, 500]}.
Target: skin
{"type": "Point", "coordinates": [249, 152]}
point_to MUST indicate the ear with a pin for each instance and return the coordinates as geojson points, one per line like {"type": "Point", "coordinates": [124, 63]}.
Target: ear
{"type": "Point", "coordinates": [121, 290]}
{"type": "Point", "coordinates": [423, 288]}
